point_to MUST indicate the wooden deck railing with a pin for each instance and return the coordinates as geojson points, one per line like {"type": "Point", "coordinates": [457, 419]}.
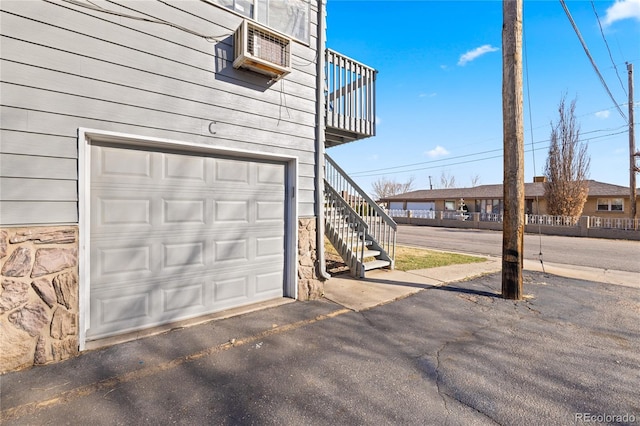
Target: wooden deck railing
{"type": "Point", "coordinates": [350, 102]}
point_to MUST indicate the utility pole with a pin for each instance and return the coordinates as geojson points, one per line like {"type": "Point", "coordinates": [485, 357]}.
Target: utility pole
{"type": "Point", "coordinates": [633, 169]}
{"type": "Point", "coordinates": [513, 140]}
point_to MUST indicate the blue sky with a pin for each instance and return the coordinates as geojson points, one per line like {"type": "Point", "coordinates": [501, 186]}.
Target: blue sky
{"type": "Point", "coordinates": [439, 96]}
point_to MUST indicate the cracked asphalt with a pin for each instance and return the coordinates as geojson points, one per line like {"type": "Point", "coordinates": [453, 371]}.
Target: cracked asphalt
{"type": "Point", "coordinates": [457, 354]}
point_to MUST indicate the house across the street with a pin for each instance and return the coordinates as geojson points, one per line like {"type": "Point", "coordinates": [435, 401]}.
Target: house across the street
{"type": "Point", "coordinates": [603, 199]}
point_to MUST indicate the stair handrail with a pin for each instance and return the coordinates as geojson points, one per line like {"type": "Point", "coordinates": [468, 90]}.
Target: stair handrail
{"type": "Point", "coordinates": [347, 230]}
{"type": "Point", "coordinates": [361, 193]}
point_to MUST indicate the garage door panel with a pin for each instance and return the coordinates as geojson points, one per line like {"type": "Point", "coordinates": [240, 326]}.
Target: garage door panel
{"type": "Point", "coordinates": [269, 211]}
{"type": "Point", "coordinates": [190, 211]}
{"type": "Point", "coordinates": [269, 246]}
{"type": "Point", "coordinates": [142, 207]}
{"type": "Point", "coordinates": [268, 285]}
{"type": "Point", "coordinates": [231, 211]}
{"type": "Point", "coordinates": [121, 211]}
{"type": "Point", "coordinates": [110, 261]}
{"type": "Point", "coordinates": [184, 255]}
{"type": "Point", "coordinates": [117, 164]}
{"type": "Point", "coordinates": [232, 171]}
{"type": "Point", "coordinates": [114, 310]}
{"type": "Point", "coordinates": [270, 174]}
{"type": "Point", "coordinates": [127, 214]}
{"type": "Point", "coordinates": [231, 250]}
{"type": "Point", "coordinates": [183, 299]}
{"type": "Point", "coordinates": [177, 236]}
{"type": "Point", "coordinates": [153, 302]}
{"type": "Point", "coordinates": [185, 169]}
{"type": "Point", "coordinates": [146, 255]}
{"type": "Point", "coordinates": [230, 290]}
{"type": "Point", "coordinates": [180, 276]}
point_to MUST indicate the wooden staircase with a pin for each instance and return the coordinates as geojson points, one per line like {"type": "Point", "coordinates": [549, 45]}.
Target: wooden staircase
{"type": "Point", "coordinates": [361, 232]}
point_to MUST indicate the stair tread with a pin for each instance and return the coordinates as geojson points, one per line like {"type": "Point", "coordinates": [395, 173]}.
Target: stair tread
{"type": "Point", "coordinates": [376, 264]}
{"type": "Point", "coordinates": [367, 243]}
{"type": "Point", "coordinates": [371, 253]}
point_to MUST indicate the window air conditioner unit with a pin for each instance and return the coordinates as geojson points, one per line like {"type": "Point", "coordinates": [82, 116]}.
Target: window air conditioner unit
{"type": "Point", "coordinates": [262, 50]}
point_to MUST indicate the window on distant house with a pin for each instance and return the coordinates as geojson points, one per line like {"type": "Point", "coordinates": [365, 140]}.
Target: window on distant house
{"type": "Point", "coordinates": [290, 17]}
{"type": "Point", "coordinates": [610, 204]}
{"type": "Point", "coordinates": [496, 206]}
{"type": "Point", "coordinates": [489, 206]}
{"type": "Point", "coordinates": [449, 205]}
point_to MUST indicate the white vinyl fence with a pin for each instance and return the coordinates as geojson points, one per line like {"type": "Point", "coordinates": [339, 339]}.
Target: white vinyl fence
{"type": "Point", "coordinates": [615, 223]}
{"type": "Point", "coordinates": [531, 219]}
{"type": "Point", "coordinates": [543, 219]}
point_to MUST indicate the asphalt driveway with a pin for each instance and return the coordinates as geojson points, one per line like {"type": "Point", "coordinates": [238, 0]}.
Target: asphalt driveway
{"type": "Point", "coordinates": [455, 354]}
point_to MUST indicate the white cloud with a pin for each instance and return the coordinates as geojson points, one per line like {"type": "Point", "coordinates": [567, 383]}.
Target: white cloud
{"type": "Point", "coordinates": [622, 9]}
{"type": "Point", "coordinates": [438, 151]}
{"type": "Point", "coordinates": [603, 114]}
{"type": "Point", "coordinates": [427, 95]}
{"type": "Point", "coordinates": [476, 53]}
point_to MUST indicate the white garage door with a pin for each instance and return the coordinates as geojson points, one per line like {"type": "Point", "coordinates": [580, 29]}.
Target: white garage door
{"type": "Point", "coordinates": [175, 236]}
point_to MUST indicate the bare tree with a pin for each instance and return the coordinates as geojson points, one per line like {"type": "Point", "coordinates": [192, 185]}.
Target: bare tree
{"type": "Point", "coordinates": [567, 167]}
{"type": "Point", "coordinates": [384, 187]}
{"type": "Point", "coordinates": [447, 180]}
{"type": "Point", "coordinates": [475, 180]}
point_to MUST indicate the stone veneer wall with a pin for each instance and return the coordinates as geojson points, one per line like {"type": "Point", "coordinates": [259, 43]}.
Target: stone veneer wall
{"type": "Point", "coordinates": [309, 284]}
{"type": "Point", "coordinates": [39, 296]}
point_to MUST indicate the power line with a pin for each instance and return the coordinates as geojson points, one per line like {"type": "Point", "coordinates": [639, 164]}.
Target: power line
{"type": "Point", "coordinates": [370, 173]}
{"type": "Point", "coordinates": [593, 63]}
{"type": "Point", "coordinates": [367, 172]}
{"type": "Point", "coordinates": [425, 162]}
{"type": "Point", "coordinates": [92, 6]}
{"type": "Point", "coordinates": [526, 69]}
{"type": "Point", "coordinates": [531, 129]}
{"type": "Point", "coordinates": [533, 154]}
{"type": "Point", "coordinates": [608, 50]}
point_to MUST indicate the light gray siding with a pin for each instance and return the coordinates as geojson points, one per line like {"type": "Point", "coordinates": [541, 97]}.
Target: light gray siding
{"type": "Point", "coordinates": [64, 67]}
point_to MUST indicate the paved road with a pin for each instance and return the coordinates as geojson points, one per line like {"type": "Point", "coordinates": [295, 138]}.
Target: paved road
{"type": "Point", "coordinates": [452, 355]}
{"type": "Point", "coordinates": [620, 255]}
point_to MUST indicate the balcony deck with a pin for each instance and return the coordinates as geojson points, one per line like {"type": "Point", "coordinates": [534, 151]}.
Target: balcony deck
{"type": "Point", "coordinates": [350, 100]}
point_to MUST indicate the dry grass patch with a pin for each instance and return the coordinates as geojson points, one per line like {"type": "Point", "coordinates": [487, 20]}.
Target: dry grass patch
{"type": "Point", "coordinates": [407, 259]}
{"type": "Point", "coordinates": [412, 258]}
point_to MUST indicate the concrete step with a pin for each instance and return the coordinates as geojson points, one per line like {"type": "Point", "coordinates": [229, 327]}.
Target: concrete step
{"type": "Point", "coordinates": [371, 253]}
{"type": "Point", "coordinates": [367, 243]}
{"type": "Point", "coordinates": [376, 264]}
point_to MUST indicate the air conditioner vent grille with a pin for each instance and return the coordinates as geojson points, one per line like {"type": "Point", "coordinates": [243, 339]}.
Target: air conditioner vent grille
{"type": "Point", "coordinates": [268, 46]}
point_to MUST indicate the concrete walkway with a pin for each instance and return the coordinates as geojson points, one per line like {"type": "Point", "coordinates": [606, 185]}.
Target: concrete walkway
{"type": "Point", "coordinates": [383, 286]}
{"type": "Point", "coordinates": [430, 347]}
